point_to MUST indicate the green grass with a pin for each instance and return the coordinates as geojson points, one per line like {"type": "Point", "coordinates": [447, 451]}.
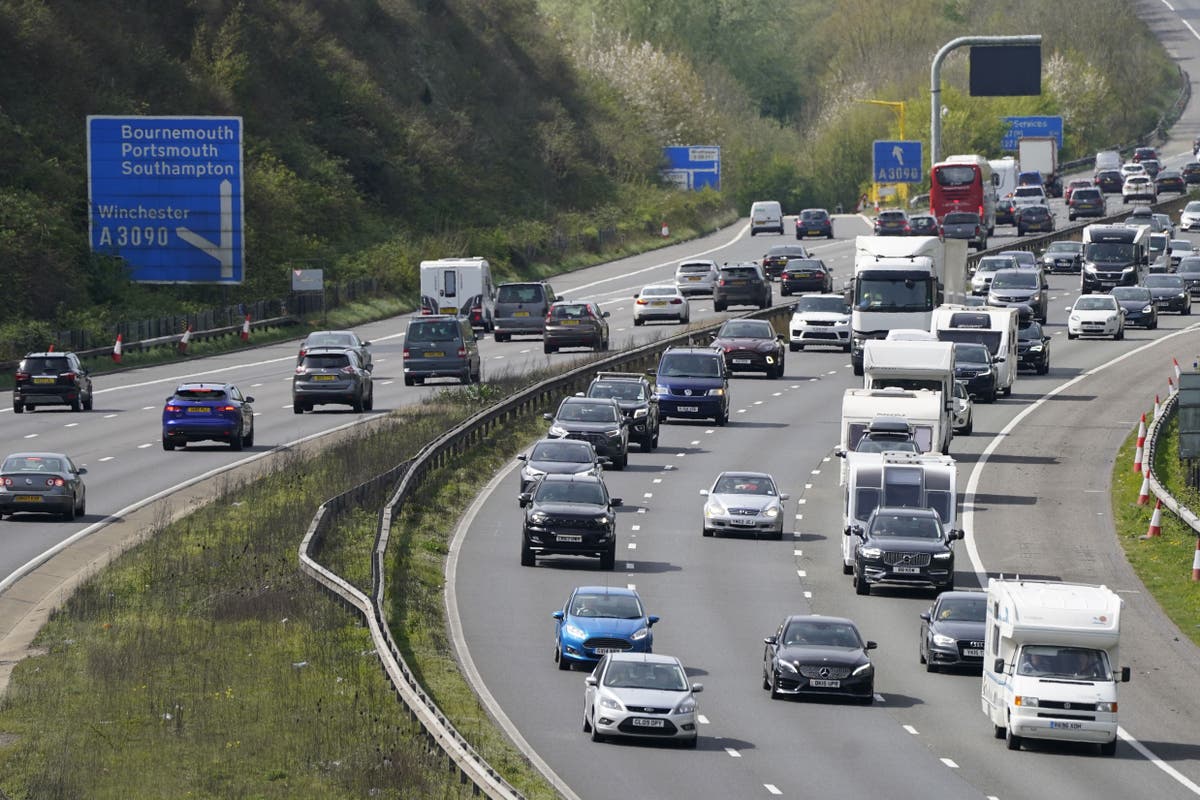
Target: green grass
{"type": "Point", "coordinates": [1164, 564]}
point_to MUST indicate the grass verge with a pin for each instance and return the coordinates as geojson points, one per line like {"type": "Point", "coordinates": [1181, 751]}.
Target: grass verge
{"type": "Point", "coordinates": [1164, 564]}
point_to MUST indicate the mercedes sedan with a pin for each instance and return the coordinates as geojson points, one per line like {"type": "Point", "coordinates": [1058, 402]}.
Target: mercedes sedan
{"type": "Point", "coordinates": [818, 655]}
{"type": "Point", "coordinates": [743, 502]}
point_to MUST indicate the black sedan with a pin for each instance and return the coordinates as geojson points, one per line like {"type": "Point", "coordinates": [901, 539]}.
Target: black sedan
{"type": "Point", "coordinates": [1170, 293]}
{"type": "Point", "coordinates": [1063, 257]}
{"type": "Point", "coordinates": [1191, 172]}
{"type": "Point", "coordinates": [1033, 348]}
{"type": "Point", "coordinates": [817, 655]}
{"type": "Point", "coordinates": [42, 483]}
{"type": "Point", "coordinates": [559, 457]}
{"type": "Point", "coordinates": [751, 345]}
{"type": "Point", "coordinates": [974, 367]}
{"type": "Point", "coordinates": [892, 223]}
{"type": "Point", "coordinates": [952, 631]}
{"type": "Point", "coordinates": [805, 275]}
{"type": "Point", "coordinates": [1138, 304]}
{"type": "Point", "coordinates": [1034, 218]}
{"type": "Point", "coordinates": [777, 258]}
{"type": "Point", "coordinates": [924, 224]}
{"type": "Point", "coordinates": [1170, 180]}
{"type": "Point", "coordinates": [1189, 270]}
{"type": "Point", "coordinates": [1110, 181]}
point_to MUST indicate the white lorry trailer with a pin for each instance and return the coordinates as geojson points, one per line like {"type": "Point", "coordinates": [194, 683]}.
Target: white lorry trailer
{"type": "Point", "coordinates": [914, 365]}
{"type": "Point", "coordinates": [898, 281]}
{"type": "Point", "coordinates": [906, 480]}
{"type": "Point", "coordinates": [1041, 153]}
{"type": "Point", "coordinates": [1050, 662]}
{"type": "Point", "coordinates": [459, 286]}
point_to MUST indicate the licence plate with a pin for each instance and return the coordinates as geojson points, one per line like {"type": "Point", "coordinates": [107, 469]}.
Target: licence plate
{"type": "Point", "coordinates": [737, 283]}
{"type": "Point", "coordinates": [690, 409]}
{"type": "Point", "coordinates": [638, 722]}
{"type": "Point", "coordinates": [434, 354]}
{"type": "Point", "coordinates": [568, 537]}
{"type": "Point", "coordinates": [570, 322]}
{"type": "Point", "coordinates": [971, 652]}
{"type": "Point", "coordinates": [824, 683]}
{"type": "Point", "coordinates": [659, 303]}
{"type": "Point", "coordinates": [605, 650]}
{"type": "Point", "coordinates": [741, 361]}
{"type": "Point", "coordinates": [448, 310]}
{"type": "Point", "coordinates": [814, 231]}
{"type": "Point", "coordinates": [1069, 726]}
{"type": "Point", "coordinates": [199, 410]}
{"type": "Point", "coordinates": [42, 381]}
{"type": "Point", "coordinates": [28, 498]}
{"type": "Point", "coordinates": [520, 313]}
{"type": "Point", "coordinates": [801, 274]}
{"type": "Point", "coordinates": [908, 570]}
{"type": "Point", "coordinates": [323, 377]}
{"type": "Point", "coordinates": [744, 523]}
{"type": "Point", "coordinates": [694, 279]}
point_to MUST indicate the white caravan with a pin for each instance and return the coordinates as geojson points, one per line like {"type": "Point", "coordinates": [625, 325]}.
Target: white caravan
{"type": "Point", "coordinates": [914, 365]}
{"type": "Point", "coordinates": [461, 287]}
{"type": "Point", "coordinates": [994, 327]}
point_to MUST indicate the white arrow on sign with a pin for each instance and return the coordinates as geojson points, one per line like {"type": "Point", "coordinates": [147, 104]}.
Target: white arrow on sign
{"type": "Point", "coordinates": [224, 251]}
{"type": "Point", "coordinates": [898, 154]}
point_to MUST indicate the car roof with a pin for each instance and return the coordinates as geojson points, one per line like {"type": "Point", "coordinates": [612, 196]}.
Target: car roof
{"type": "Point", "coordinates": [907, 510]}
{"type": "Point", "coordinates": [48, 354]}
{"type": "Point", "coordinates": [202, 385]}
{"type": "Point", "coordinates": [432, 318]}
{"type": "Point", "coordinates": [574, 399]}
{"type": "Point", "coordinates": [819, 618]}
{"type": "Point", "coordinates": [322, 333]}
{"type": "Point", "coordinates": [555, 477]}
{"type": "Point", "coordinates": [610, 590]}
{"type": "Point", "coordinates": [521, 283]}
{"type": "Point", "coordinates": [645, 658]}
{"type": "Point", "coordinates": [700, 351]}
{"type": "Point", "coordinates": [34, 454]}
{"type": "Point", "coordinates": [328, 349]}
{"type": "Point", "coordinates": [738, 473]}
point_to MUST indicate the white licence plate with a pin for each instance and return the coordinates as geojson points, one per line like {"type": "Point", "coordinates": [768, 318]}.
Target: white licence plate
{"type": "Point", "coordinates": [637, 722]}
{"type": "Point", "coordinates": [972, 653]}
{"type": "Point", "coordinates": [606, 650]}
{"type": "Point", "coordinates": [824, 683]}
{"type": "Point", "coordinates": [568, 537]}
{"type": "Point", "coordinates": [908, 570]}
{"type": "Point", "coordinates": [1070, 726]}
{"type": "Point", "coordinates": [741, 361]}
{"type": "Point", "coordinates": [689, 409]}
{"type": "Point", "coordinates": [743, 522]}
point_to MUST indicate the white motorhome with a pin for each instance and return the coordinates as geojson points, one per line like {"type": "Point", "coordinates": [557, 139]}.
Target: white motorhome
{"type": "Point", "coordinates": [907, 480]}
{"type": "Point", "coordinates": [898, 281]}
{"type": "Point", "coordinates": [994, 327]}
{"type": "Point", "coordinates": [461, 287]}
{"type": "Point", "coordinates": [914, 365]}
{"type": "Point", "coordinates": [1050, 662]}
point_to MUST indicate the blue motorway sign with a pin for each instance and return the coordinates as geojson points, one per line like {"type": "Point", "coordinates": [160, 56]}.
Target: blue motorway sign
{"type": "Point", "coordinates": [691, 167]}
{"type": "Point", "coordinates": [897, 162]}
{"type": "Point", "coordinates": [165, 195]}
{"type": "Point", "coordinates": [1019, 127]}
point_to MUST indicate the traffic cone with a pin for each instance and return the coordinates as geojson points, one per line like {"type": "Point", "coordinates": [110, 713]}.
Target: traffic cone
{"type": "Point", "coordinates": [1144, 494]}
{"type": "Point", "coordinates": [246, 330]}
{"type": "Point", "coordinates": [666, 231]}
{"type": "Point", "coordinates": [1170, 387]}
{"type": "Point", "coordinates": [1175, 363]}
{"type": "Point", "coordinates": [185, 340]}
{"type": "Point", "coordinates": [1196, 561]}
{"type": "Point", "coordinates": [50, 349]}
{"type": "Point", "coordinates": [1155, 522]}
{"type": "Point", "coordinates": [1141, 445]}
{"type": "Point", "coordinates": [1157, 407]}
{"type": "Point", "coordinates": [116, 353]}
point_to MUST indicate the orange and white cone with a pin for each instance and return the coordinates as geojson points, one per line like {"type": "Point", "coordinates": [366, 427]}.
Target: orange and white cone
{"type": "Point", "coordinates": [1144, 494]}
{"type": "Point", "coordinates": [246, 331]}
{"type": "Point", "coordinates": [1155, 522]}
{"type": "Point", "coordinates": [185, 340]}
{"type": "Point", "coordinates": [1157, 407]}
{"type": "Point", "coordinates": [50, 349]}
{"type": "Point", "coordinates": [666, 231]}
{"type": "Point", "coordinates": [1175, 364]}
{"type": "Point", "coordinates": [1141, 445]}
{"type": "Point", "coordinates": [116, 353]}
{"type": "Point", "coordinates": [1170, 387]}
{"type": "Point", "coordinates": [1196, 561]}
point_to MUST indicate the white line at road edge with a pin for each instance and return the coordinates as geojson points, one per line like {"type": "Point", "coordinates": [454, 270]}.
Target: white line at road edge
{"type": "Point", "coordinates": [460, 641]}
{"type": "Point", "coordinates": [968, 515]}
{"type": "Point", "coordinates": [42, 558]}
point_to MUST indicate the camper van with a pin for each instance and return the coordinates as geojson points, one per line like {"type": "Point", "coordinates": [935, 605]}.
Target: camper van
{"type": "Point", "coordinates": [994, 327]}
{"type": "Point", "coordinates": [461, 287]}
{"type": "Point", "coordinates": [1050, 662]}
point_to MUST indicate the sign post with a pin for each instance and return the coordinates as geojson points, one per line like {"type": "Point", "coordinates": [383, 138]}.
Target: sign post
{"type": "Point", "coordinates": [165, 195]}
{"type": "Point", "coordinates": [1020, 127]}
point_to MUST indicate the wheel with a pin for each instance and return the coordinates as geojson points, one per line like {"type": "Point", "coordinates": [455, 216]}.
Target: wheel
{"type": "Point", "coordinates": [1153, 325]}
{"type": "Point", "coordinates": [1072, 335]}
{"type": "Point", "coordinates": [82, 506]}
{"type": "Point", "coordinates": [857, 366]}
{"type": "Point", "coordinates": [622, 462]}
{"type": "Point", "coordinates": [249, 440]}
{"type": "Point", "coordinates": [235, 441]}
{"type": "Point", "coordinates": [596, 735]}
{"type": "Point", "coordinates": [775, 693]}
{"type": "Point", "coordinates": [604, 345]}
{"type": "Point", "coordinates": [795, 347]}
{"type": "Point", "coordinates": [548, 348]}
{"type": "Point", "coordinates": [356, 405]}
{"type": "Point", "coordinates": [1007, 390]}
{"type": "Point", "coordinates": [587, 726]}
{"type": "Point", "coordinates": [69, 514]}
{"type": "Point", "coordinates": [369, 403]}
{"type": "Point", "coordinates": [408, 381]}
{"type": "Point", "coordinates": [779, 369]}
{"type": "Point", "coordinates": [718, 306]}
{"type": "Point", "coordinates": [1012, 740]}
{"type": "Point", "coordinates": [706, 532]}
{"type": "Point", "coordinates": [869, 699]}
{"type": "Point", "coordinates": [87, 404]}
{"type": "Point", "coordinates": [1044, 368]}
{"type": "Point", "coordinates": [723, 419]}
{"type": "Point", "coordinates": [690, 744]}
{"type": "Point", "coordinates": [778, 535]}
{"type": "Point", "coordinates": [1119, 335]}
{"type": "Point", "coordinates": [1187, 310]}
{"type": "Point", "coordinates": [76, 405]}
{"type": "Point", "coordinates": [563, 664]}
{"type": "Point", "coordinates": [501, 337]}
{"type": "Point", "coordinates": [168, 444]}
{"type": "Point", "coordinates": [608, 560]}
{"type": "Point", "coordinates": [784, 291]}
{"type": "Point", "coordinates": [845, 348]}
{"type": "Point", "coordinates": [637, 322]}
{"type": "Point", "coordinates": [527, 556]}
{"type": "Point", "coordinates": [1109, 748]}
{"type": "Point", "coordinates": [861, 587]}
{"type": "Point", "coordinates": [999, 731]}
{"type": "Point", "coordinates": [970, 426]}
{"type": "Point", "coordinates": [773, 372]}
{"type": "Point", "coordinates": [18, 407]}
{"type": "Point", "coordinates": [647, 445]}
{"type": "Point", "coordinates": [921, 655]}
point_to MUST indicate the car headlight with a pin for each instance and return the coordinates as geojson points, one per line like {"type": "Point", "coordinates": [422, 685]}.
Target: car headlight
{"type": "Point", "coordinates": [686, 706]}
{"type": "Point", "coordinates": [557, 431]}
{"type": "Point", "coordinates": [661, 390]}
{"type": "Point", "coordinates": [1025, 700]}
{"type": "Point", "coordinates": [586, 469]}
{"type": "Point", "coordinates": [772, 512]}
{"type": "Point", "coordinates": [943, 556]}
{"type": "Point", "coordinates": [1129, 269]}
{"type": "Point", "coordinates": [942, 640]}
{"type": "Point", "coordinates": [718, 392]}
{"type": "Point", "coordinates": [871, 552]}
{"type": "Point", "coordinates": [602, 519]}
{"type": "Point", "coordinates": [1035, 348]}
{"type": "Point", "coordinates": [531, 473]}
{"type": "Point", "coordinates": [539, 518]}
{"type": "Point", "coordinates": [610, 702]}
{"type": "Point", "coordinates": [865, 669]}
{"type": "Point", "coordinates": [613, 434]}
{"type": "Point", "coordinates": [1089, 268]}
{"type": "Point", "coordinates": [1181, 295]}
{"type": "Point", "coordinates": [714, 508]}
{"type": "Point", "coordinates": [784, 666]}
{"type": "Point", "coordinates": [1111, 318]}
{"type": "Point", "coordinates": [638, 413]}
{"type": "Point", "coordinates": [639, 634]}
{"type": "Point", "coordinates": [1074, 318]}
{"type": "Point", "coordinates": [1147, 309]}
{"type": "Point", "coordinates": [574, 631]}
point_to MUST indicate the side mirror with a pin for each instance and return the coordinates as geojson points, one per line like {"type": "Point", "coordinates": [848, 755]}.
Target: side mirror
{"type": "Point", "coordinates": [871, 645]}
{"type": "Point", "coordinates": [653, 373]}
{"type": "Point", "coordinates": [858, 531]}
{"type": "Point", "coordinates": [635, 295]}
{"type": "Point", "coordinates": [249, 399]}
{"type": "Point", "coordinates": [697, 688]}
{"type": "Point", "coordinates": [704, 492]}
{"type": "Point", "coordinates": [650, 620]}
{"type": "Point", "coordinates": [1045, 340]}
{"type": "Point", "coordinates": [366, 344]}
{"type": "Point", "coordinates": [998, 360]}
{"type": "Point", "coordinates": [616, 502]}
{"type": "Point", "coordinates": [524, 499]}
{"type": "Point", "coordinates": [925, 615]}
{"type": "Point", "coordinates": [522, 457]}
{"type": "Point", "coordinates": [998, 666]}
{"type": "Point", "coordinates": [784, 496]}
{"type": "Point", "coordinates": [840, 452]}
{"type": "Point", "coordinates": [591, 680]}
{"type": "Point", "coordinates": [558, 615]}
{"type": "Point", "coordinates": [548, 416]}
{"type": "Point", "coordinates": [1125, 674]}
{"type": "Point", "coordinates": [81, 471]}
{"type": "Point", "coordinates": [605, 314]}
{"type": "Point", "coordinates": [771, 640]}
{"type": "Point", "coordinates": [956, 534]}
{"type": "Point", "coordinates": [605, 461]}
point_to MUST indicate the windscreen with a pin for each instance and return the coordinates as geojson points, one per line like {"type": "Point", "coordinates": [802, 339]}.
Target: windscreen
{"type": "Point", "coordinates": [621, 390]}
{"type": "Point", "coordinates": [569, 492]}
{"type": "Point", "coordinates": [519, 294]}
{"type": "Point", "coordinates": [1164, 282]}
{"type": "Point", "coordinates": [746, 329]}
{"type": "Point", "coordinates": [820, 634]}
{"type": "Point", "coordinates": [739, 272]}
{"type": "Point", "coordinates": [988, 338]}
{"type": "Point", "coordinates": [563, 452]}
{"type": "Point", "coordinates": [689, 365]}
{"type": "Point", "coordinates": [894, 291]}
{"type": "Point", "coordinates": [1017, 279]}
{"type": "Point", "coordinates": [44, 366]}
{"type": "Point", "coordinates": [608, 606]}
{"type": "Point", "coordinates": [326, 360]}
{"type": "Point", "coordinates": [905, 526]}
{"type": "Point", "coordinates": [744, 484]}
{"type": "Point", "coordinates": [1096, 304]}
{"type": "Point", "coordinates": [961, 218]}
{"type": "Point", "coordinates": [587, 412]}
{"type": "Point", "coordinates": [32, 464]}
{"type": "Point", "coordinates": [1119, 252]}
{"type": "Point", "coordinates": [830, 305]}
{"type": "Point", "coordinates": [570, 311]}
{"type": "Point", "coordinates": [432, 331]}
{"type": "Point", "coordinates": [956, 175]}
{"type": "Point", "coordinates": [201, 394]}
{"type": "Point", "coordinates": [1069, 663]}
{"type": "Point", "coordinates": [962, 609]}
{"type": "Point", "coordinates": [641, 675]}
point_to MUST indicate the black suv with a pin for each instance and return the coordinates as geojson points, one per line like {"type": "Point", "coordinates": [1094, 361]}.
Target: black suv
{"type": "Point", "coordinates": [635, 395]}
{"type": "Point", "coordinates": [903, 546]}
{"type": "Point", "coordinates": [569, 515]}
{"type": "Point", "coordinates": [1033, 348]}
{"type": "Point", "coordinates": [592, 419]}
{"type": "Point", "coordinates": [742, 285]}
{"type": "Point", "coordinates": [775, 260]}
{"type": "Point", "coordinates": [51, 379]}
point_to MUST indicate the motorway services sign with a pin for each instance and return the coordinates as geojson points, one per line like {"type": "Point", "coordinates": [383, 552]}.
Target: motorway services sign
{"type": "Point", "coordinates": [1019, 127]}
{"type": "Point", "coordinates": [692, 167]}
{"type": "Point", "coordinates": [165, 195]}
{"type": "Point", "coordinates": [897, 162]}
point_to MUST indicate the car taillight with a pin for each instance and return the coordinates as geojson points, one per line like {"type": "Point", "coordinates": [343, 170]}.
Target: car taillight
{"type": "Point", "coordinates": [675, 301]}
{"type": "Point", "coordinates": [426, 311]}
{"type": "Point", "coordinates": [170, 407]}
{"type": "Point", "coordinates": [21, 376]}
{"type": "Point", "coordinates": [347, 370]}
{"type": "Point", "coordinates": [721, 282]}
{"type": "Point", "coordinates": [303, 352]}
{"type": "Point", "coordinates": [226, 409]}
{"type": "Point", "coordinates": [977, 230]}
{"type": "Point", "coordinates": [300, 370]}
{"type": "Point", "coordinates": [68, 375]}
{"type": "Point", "coordinates": [8, 482]}
{"type": "Point", "coordinates": [641, 302]}
{"type": "Point", "coordinates": [462, 352]}
{"type": "Point", "coordinates": [55, 482]}
{"type": "Point", "coordinates": [907, 229]}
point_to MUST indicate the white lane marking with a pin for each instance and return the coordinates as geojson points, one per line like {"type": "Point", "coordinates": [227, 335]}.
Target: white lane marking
{"type": "Point", "coordinates": [523, 352]}
{"type": "Point", "coordinates": [648, 495]}
{"type": "Point", "coordinates": [794, 386]}
{"type": "Point", "coordinates": [387, 383]}
{"type": "Point", "coordinates": [107, 458]}
{"type": "Point", "coordinates": [289, 405]}
{"type": "Point", "coordinates": [733, 753]}
{"type": "Point", "coordinates": [657, 480]}
{"type": "Point", "coordinates": [255, 385]}
{"type": "Point", "coordinates": [703, 720]}
{"type": "Point", "coordinates": [1188, 25]}
{"type": "Point", "coordinates": [641, 511]}
{"type": "Point", "coordinates": [741, 411]}
{"type": "Point", "coordinates": [808, 595]}
{"type": "Point", "coordinates": [631, 587]}
{"type": "Point", "coordinates": [148, 408]}
{"type": "Point", "coordinates": [797, 553]}
{"type": "Point", "coordinates": [776, 394]}
{"type": "Point", "coordinates": [801, 500]}
{"type": "Point", "coordinates": [709, 431]}
{"type": "Point", "coordinates": [1168, 5]}
{"type": "Point", "coordinates": [497, 358]}
{"type": "Point", "coordinates": [31, 436]}
{"type": "Point", "coordinates": [772, 788]}
{"type": "Point", "coordinates": [632, 545]}
{"type": "Point", "coordinates": [825, 460]}
{"type": "Point", "coordinates": [144, 446]}
{"type": "Point", "coordinates": [635, 527]}
{"type": "Point", "coordinates": [949, 762]}
{"type": "Point", "coordinates": [802, 573]}
{"type": "Point", "coordinates": [968, 512]}
{"type": "Point", "coordinates": [758, 402]}
{"type": "Point", "coordinates": [697, 441]}
{"type": "Point", "coordinates": [813, 380]}
{"type": "Point", "coordinates": [71, 425]}
{"type": "Point", "coordinates": [799, 516]}
{"type": "Point", "coordinates": [108, 416]}
{"type": "Point", "coordinates": [832, 372]}
{"type": "Point", "coordinates": [879, 698]}
{"type": "Point", "coordinates": [911, 730]}
{"type": "Point", "coordinates": [808, 486]}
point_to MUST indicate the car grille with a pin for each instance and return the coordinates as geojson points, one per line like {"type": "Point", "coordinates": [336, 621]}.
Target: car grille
{"type": "Point", "coordinates": [1003, 298]}
{"type": "Point", "coordinates": [743, 512]}
{"type": "Point", "coordinates": [750, 354]}
{"type": "Point", "coordinates": [966, 373]}
{"type": "Point", "coordinates": [1058, 704]}
{"type": "Point", "coordinates": [584, 523]}
{"type": "Point", "coordinates": [823, 671]}
{"type": "Point", "coordinates": [819, 323]}
{"type": "Point", "coordinates": [831, 335]}
{"type": "Point", "coordinates": [608, 642]}
{"type": "Point", "coordinates": [597, 440]}
{"type": "Point", "coordinates": [910, 559]}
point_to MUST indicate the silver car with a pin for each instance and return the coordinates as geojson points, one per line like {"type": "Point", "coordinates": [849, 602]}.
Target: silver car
{"type": "Point", "coordinates": [641, 695]}
{"type": "Point", "coordinates": [964, 410]}
{"type": "Point", "coordinates": [559, 457]}
{"type": "Point", "coordinates": [743, 502]}
{"type": "Point", "coordinates": [42, 483]}
{"type": "Point", "coordinates": [986, 269]}
{"type": "Point", "coordinates": [696, 277]}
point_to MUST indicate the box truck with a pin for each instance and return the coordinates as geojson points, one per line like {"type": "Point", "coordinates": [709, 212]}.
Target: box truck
{"type": "Point", "coordinates": [1050, 662]}
{"type": "Point", "coordinates": [1040, 154]}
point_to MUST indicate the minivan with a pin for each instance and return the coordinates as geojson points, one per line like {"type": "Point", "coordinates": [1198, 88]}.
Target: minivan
{"type": "Point", "coordinates": [440, 346]}
{"type": "Point", "coordinates": [692, 383]}
{"type": "Point", "coordinates": [521, 309]}
{"type": "Point", "coordinates": [766, 215]}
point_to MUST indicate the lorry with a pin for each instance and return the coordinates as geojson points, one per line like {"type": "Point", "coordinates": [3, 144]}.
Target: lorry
{"type": "Point", "coordinates": [922, 409]}
{"type": "Point", "coordinates": [988, 325]}
{"type": "Point", "coordinates": [895, 479]}
{"type": "Point", "coordinates": [1040, 153]}
{"type": "Point", "coordinates": [461, 287]}
{"type": "Point", "coordinates": [1050, 662]}
{"type": "Point", "coordinates": [914, 365]}
{"type": "Point", "coordinates": [898, 281]}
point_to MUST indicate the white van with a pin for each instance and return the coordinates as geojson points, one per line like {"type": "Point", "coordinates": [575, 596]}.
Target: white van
{"type": "Point", "coordinates": [994, 327]}
{"type": "Point", "coordinates": [1108, 159]}
{"type": "Point", "coordinates": [459, 286]}
{"type": "Point", "coordinates": [766, 215]}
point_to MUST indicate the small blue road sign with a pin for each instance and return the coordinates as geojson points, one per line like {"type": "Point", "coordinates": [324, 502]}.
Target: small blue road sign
{"type": "Point", "coordinates": [897, 162]}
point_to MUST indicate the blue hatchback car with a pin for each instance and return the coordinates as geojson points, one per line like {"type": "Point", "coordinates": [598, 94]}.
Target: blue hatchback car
{"type": "Point", "coordinates": [597, 620]}
{"type": "Point", "coordinates": [199, 412]}
{"type": "Point", "coordinates": [692, 383]}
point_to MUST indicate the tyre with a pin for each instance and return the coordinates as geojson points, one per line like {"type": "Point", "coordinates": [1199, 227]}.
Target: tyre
{"type": "Point", "coordinates": [861, 587]}
{"type": "Point", "coordinates": [847, 569]}
{"type": "Point", "coordinates": [82, 511]}
{"type": "Point", "coordinates": [249, 440]}
{"type": "Point", "coordinates": [596, 735]}
{"type": "Point", "coordinates": [87, 404]}
{"type": "Point", "coordinates": [1187, 310]}
{"type": "Point", "coordinates": [718, 306]}
{"type": "Point", "coordinates": [548, 348]}
{"type": "Point", "coordinates": [369, 403]}
{"type": "Point", "coordinates": [356, 405]}
{"type": "Point", "coordinates": [527, 557]}
{"type": "Point", "coordinates": [69, 514]}
{"type": "Point", "coordinates": [1044, 368]}
{"type": "Point", "coordinates": [1012, 740]}
{"type": "Point", "coordinates": [1119, 335]}
{"type": "Point", "coordinates": [408, 381]}
{"type": "Point", "coordinates": [778, 535]}
{"type": "Point", "coordinates": [795, 347]}
{"type": "Point", "coordinates": [784, 291]}
{"type": "Point", "coordinates": [723, 419]}
{"type": "Point", "coordinates": [168, 445]}
{"type": "Point", "coordinates": [930, 666]}
{"type": "Point", "coordinates": [690, 744]}
{"type": "Point", "coordinates": [587, 726]}
{"type": "Point", "coordinates": [773, 373]}
{"type": "Point", "coordinates": [779, 369]}
{"type": "Point", "coordinates": [501, 337]}
{"type": "Point", "coordinates": [1109, 748]}
{"type": "Point", "coordinates": [637, 322]}
{"type": "Point", "coordinates": [775, 693]}
{"type": "Point", "coordinates": [845, 348]}
{"type": "Point", "coordinates": [647, 445]}
{"type": "Point", "coordinates": [18, 407]}
{"type": "Point", "coordinates": [1007, 390]}
{"type": "Point", "coordinates": [608, 560]}
{"type": "Point", "coordinates": [1072, 335]}
{"type": "Point", "coordinates": [857, 366]}
{"type": "Point", "coordinates": [76, 405]}
{"type": "Point", "coordinates": [706, 532]}
{"type": "Point", "coordinates": [465, 378]}
{"type": "Point", "coordinates": [970, 426]}
{"type": "Point", "coordinates": [563, 664]}
{"type": "Point", "coordinates": [235, 441]}
{"type": "Point", "coordinates": [1153, 325]}
{"type": "Point", "coordinates": [622, 462]}
{"type": "Point", "coordinates": [921, 655]}
{"type": "Point", "coordinates": [998, 731]}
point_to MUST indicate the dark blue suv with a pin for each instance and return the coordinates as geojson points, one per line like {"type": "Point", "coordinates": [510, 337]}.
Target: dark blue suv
{"type": "Point", "coordinates": [199, 412]}
{"type": "Point", "coordinates": [692, 383]}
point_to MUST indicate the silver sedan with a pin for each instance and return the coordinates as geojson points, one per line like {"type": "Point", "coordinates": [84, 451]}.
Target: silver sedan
{"type": "Point", "coordinates": [746, 502]}
{"type": "Point", "coordinates": [641, 695]}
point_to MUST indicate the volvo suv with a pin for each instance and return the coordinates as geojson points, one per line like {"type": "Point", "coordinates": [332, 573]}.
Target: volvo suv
{"type": "Point", "coordinates": [905, 546]}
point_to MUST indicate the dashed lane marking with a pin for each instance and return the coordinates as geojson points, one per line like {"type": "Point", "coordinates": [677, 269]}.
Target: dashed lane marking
{"type": "Point", "coordinates": [71, 425]}
{"type": "Point", "coordinates": [733, 753]}
{"type": "Point", "coordinates": [31, 436]}
{"type": "Point", "coordinates": [911, 730]}
{"type": "Point", "coordinates": [772, 788]}
{"type": "Point", "coordinates": [949, 762]}
{"type": "Point", "coordinates": [107, 458]}
{"type": "Point", "coordinates": [109, 416]}
{"type": "Point", "coordinates": [703, 720]}
{"type": "Point", "coordinates": [635, 527]}
{"type": "Point", "coordinates": [144, 446]}
{"type": "Point", "coordinates": [797, 553]}
{"type": "Point", "coordinates": [632, 546]}
{"type": "Point", "coordinates": [628, 565]}
{"type": "Point", "coordinates": [808, 595]}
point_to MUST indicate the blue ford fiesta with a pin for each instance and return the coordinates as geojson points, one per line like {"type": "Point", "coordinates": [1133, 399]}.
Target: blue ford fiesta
{"type": "Point", "coordinates": [601, 619]}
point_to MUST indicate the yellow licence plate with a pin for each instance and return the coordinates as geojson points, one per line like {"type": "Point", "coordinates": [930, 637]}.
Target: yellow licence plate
{"type": "Point", "coordinates": [448, 310]}
{"type": "Point", "coordinates": [659, 303]}
{"type": "Point", "coordinates": [434, 354]}
{"type": "Point", "coordinates": [199, 410]}
{"type": "Point", "coordinates": [28, 498]}
{"type": "Point", "coordinates": [737, 283]}
{"type": "Point", "coordinates": [324, 377]}
{"type": "Point", "coordinates": [570, 322]}
{"type": "Point", "coordinates": [41, 381]}
{"type": "Point", "coordinates": [520, 313]}
{"type": "Point", "coordinates": [694, 279]}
